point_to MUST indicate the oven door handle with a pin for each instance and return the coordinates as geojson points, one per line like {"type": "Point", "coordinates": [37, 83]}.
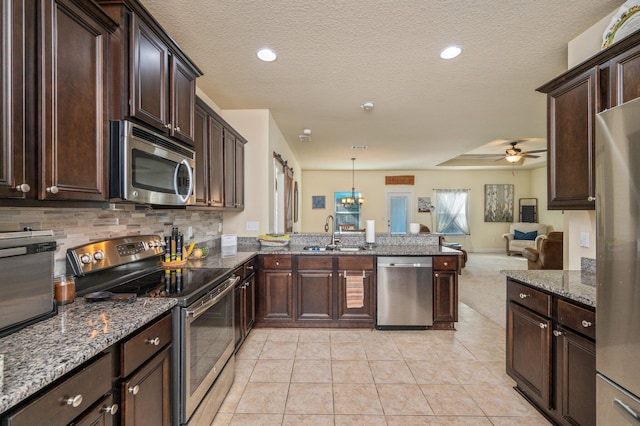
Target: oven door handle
{"type": "Point", "coordinates": [195, 313]}
{"type": "Point", "coordinates": [175, 180]}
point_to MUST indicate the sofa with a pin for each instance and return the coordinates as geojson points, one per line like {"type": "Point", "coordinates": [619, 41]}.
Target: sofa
{"type": "Point", "coordinates": [548, 256]}
{"type": "Point", "coordinates": [525, 234]}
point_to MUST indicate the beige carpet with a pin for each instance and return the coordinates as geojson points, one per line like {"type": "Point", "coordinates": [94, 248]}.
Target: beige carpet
{"type": "Point", "coordinates": [482, 286]}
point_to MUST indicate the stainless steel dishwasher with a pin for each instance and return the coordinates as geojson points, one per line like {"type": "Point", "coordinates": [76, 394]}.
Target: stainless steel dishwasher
{"type": "Point", "coordinates": [404, 292]}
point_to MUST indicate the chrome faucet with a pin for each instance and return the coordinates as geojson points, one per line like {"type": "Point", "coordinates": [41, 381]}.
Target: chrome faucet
{"type": "Point", "coordinates": [333, 232]}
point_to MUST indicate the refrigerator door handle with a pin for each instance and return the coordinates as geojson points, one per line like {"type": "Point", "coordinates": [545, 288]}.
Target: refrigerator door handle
{"type": "Point", "coordinates": [626, 411]}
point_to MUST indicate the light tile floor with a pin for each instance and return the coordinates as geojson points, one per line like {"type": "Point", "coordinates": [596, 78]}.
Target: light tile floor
{"type": "Point", "coordinates": [371, 377]}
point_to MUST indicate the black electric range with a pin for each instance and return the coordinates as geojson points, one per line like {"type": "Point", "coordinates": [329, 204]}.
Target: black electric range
{"type": "Point", "coordinates": [133, 265]}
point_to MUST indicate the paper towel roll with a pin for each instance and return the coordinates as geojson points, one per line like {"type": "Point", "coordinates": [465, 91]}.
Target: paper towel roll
{"type": "Point", "coordinates": [370, 232]}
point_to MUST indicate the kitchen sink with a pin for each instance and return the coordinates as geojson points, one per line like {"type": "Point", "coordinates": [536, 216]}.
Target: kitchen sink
{"type": "Point", "coordinates": [314, 248]}
{"type": "Point", "coordinates": [349, 248]}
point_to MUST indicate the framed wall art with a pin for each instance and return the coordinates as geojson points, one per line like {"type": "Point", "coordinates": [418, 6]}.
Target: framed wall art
{"type": "Point", "coordinates": [317, 201]}
{"type": "Point", "coordinates": [498, 202]}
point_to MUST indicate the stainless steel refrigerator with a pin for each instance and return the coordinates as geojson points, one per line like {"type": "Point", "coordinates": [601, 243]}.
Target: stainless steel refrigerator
{"type": "Point", "coordinates": [618, 265]}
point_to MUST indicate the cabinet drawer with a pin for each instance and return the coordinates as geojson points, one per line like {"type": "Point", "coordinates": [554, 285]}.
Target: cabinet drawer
{"type": "Point", "coordinates": [277, 262]}
{"type": "Point", "coordinates": [315, 262]}
{"type": "Point", "coordinates": [576, 318]}
{"type": "Point", "coordinates": [445, 263]}
{"type": "Point", "coordinates": [56, 406]}
{"type": "Point", "coordinates": [145, 344]}
{"type": "Point", "coordinates": [355, 262]}
{"type": "Point", "coordinates": [529, 297]}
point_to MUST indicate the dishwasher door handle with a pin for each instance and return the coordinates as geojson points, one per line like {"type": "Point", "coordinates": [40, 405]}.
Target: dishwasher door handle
{"type": "Point", "coordinates": [404, 265]}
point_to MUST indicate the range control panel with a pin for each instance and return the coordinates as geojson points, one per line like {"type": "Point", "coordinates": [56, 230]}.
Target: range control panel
{"type": "Point", "coordinates": [105, 254]}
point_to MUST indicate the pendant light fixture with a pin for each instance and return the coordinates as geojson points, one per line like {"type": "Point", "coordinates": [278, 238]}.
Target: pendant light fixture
{"type": "Point", "coordinates": [349, 202]}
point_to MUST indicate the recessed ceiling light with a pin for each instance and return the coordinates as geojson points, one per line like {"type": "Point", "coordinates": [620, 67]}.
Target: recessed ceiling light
{"type": "Point", "coordinates": [267, 55]}
{"type": "Point", "coordinates": [368, 106]}
{"type": "Point", "coordinates": [450, 52]}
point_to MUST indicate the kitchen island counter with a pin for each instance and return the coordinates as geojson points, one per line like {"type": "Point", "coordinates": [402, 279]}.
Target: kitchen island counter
{"type": "Point", "coordinates": [579, 286]}
{"type": "Point", "coordinates": [44, 352]}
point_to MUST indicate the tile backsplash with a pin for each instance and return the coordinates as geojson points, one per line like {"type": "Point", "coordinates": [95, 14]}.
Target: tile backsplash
{"type": "Point", "coordinates": [77, 226]}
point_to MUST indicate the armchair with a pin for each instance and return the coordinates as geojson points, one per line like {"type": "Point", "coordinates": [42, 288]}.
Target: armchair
{"type": "Point", "coordinates": [516, 243]}
{"type": "Point", "coordinates": [548, 256]}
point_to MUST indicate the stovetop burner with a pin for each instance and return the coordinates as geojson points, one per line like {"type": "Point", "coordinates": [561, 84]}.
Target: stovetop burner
{"type": "Point", "coordinates": [140, 273]}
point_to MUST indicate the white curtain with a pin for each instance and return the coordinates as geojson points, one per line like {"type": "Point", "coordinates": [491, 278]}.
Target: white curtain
{"type": "Point", "coordinates": [452, 208]}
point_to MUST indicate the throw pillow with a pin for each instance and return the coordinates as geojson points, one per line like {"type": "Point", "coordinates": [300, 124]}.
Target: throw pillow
{"type": "Point", "coordinates": [518, 235]}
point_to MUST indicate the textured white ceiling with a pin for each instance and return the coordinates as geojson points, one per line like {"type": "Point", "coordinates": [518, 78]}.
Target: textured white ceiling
{"type": "Point", "coordinates": [334, 55]}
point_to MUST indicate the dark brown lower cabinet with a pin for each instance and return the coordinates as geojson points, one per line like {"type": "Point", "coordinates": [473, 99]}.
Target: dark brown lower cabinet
{"type": "Point", "coordinates": [102, 414]}
{"type": "Point", "coordinates": [529, 352]}
{"type": "Point", "coordinates": [146, 393]}
{"type": "Point", "coordinates": [445, 299]}
{"type": "Point", "coordinates": [575, 377]}
{"type": "Point", "coordinates": [310, 291]}
{"type": "Point", "coordinates": [551, 353]}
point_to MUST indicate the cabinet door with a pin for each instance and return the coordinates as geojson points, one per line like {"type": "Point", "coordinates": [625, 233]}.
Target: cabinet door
{"type": "Point", "coordinates": [529, 353]}
{"type": "Point", "coordinates": [445, 296]}
{"type": "Point", "coordinates": [625, 76]}
{"type": "Point", "coordinates": [575, 378]}
{"type": "Point", "coordinates": [366, 312]}
{"type": "Point", "coordinates": [216, 163]}
{"type": "Point", "coordinates": [183, 100]}
{"type": "Point", "coordinates": [239, 175]}
{"type": "Point", "coordinates": [101, 415]}
{"type": "Point", "coordinates": [13, 92]}
{"type": "Point", "coordinates": [238, 306]}
{"type": "Point", "coordinates": [150, 79]}
{"type": "Point", "coordinates": [315, 295]}
{"type": "Point", "coordinates": [73, 117]}
{"type": "Point", "coordinates": [571, 160]}
{"type": "Point", "coordinates": [249, 299]}
{"type": "Point", "coordinates": [275, 296]}
{"type": "Point", "coordinates": [229, 170]}
{"type": "Point", "coordinates": [201, 145]}
{"type": "Point", "coordinates": [146, 395]}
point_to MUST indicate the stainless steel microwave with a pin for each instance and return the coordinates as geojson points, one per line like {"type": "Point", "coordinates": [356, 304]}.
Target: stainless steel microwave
{"type": "Point", "coordinates": [149, 168]}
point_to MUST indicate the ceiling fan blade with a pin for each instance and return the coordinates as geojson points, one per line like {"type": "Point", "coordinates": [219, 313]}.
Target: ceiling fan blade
{"type": "Point", "coordinates": [530, 156]}
{"type": "Point", "coordinates": [535, 151]}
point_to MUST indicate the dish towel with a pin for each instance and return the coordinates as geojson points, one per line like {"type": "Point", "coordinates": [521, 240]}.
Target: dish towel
{"type": "Point", "coordinates": [355, 290]}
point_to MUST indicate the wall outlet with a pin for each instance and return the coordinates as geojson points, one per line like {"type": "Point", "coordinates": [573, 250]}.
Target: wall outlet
{"type": "Point", "coordinates": [189, 232]}
{"type": "Point", "coordinates": [584, 239]}
{"type": "Point", "coordinates": [253, 226]}
{"type": "Point", "coordinates": [220, 227]}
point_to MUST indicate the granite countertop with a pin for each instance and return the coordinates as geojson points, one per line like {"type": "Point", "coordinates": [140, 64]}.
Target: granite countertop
{"type": "Point", "coordinates": [43, 352]}
{"type": "Point", "coordinates": [380, 250]}
{"type": "Point", "coordinates": [574, 285]}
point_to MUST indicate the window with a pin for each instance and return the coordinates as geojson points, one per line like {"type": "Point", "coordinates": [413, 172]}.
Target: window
{"type": "Point", "coordinates": [452, 211]}
{"type": "Point", "coordinates": [346, 215]}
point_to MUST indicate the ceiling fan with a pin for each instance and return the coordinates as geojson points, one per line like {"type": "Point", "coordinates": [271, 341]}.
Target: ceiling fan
{"type": "Point", "coordinates": [515, 154]}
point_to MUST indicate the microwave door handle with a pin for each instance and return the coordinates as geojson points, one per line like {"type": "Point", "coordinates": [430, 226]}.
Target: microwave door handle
{"type": "Point", "coordinates": [175, 180]}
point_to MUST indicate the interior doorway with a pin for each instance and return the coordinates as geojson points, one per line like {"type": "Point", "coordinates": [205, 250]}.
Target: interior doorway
{"type": "Point", "coordinates": [399, 210]}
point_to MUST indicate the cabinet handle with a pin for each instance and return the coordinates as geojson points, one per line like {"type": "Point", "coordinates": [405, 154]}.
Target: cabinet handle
{"type": "Point", "coordinates": [75, 401]}
{"type": "Point", "coordinates": [590, 198]}
{"type": "Point", "coordinates": [445, 263]}
{"type": "Point", "coordinates": [626, 410]}
{"type": "Point", "coordinates": [23, 188]}
{"type": "Point", "coordinates": [586, 324]}
{"type": "Point", "coordinates": [557, 333]}
{"type": "Point", "coordinates": [112, 409]}
{"type": "Point", "coordinates": [330, 274]}
{"type": "Point", "coordinates": [134, 390]}
{"type": "Point", "coordinates": [155, 341]}
{"type": "Point", "coordinates": [250, 267]}
{"type": "Point", "coordinates": [543, 325]}
{"type": "Point", "coordinates": [436, 275]}
{"type": "Point", "coordinates": [52, 189]}
{"type": "Point", "coordinates": [177, 128]}
{"type": "Point", "coordinates": [289, 274]}
{"type": "Point", "coordinates": [524, 296]}
{"type": "Point", "coordinates": [277, 263]}
{"type": "Point", "coordinates": [168, 125]}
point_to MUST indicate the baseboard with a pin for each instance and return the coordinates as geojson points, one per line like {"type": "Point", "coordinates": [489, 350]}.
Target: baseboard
{"type": "Point", "coordinates": [488, 250]}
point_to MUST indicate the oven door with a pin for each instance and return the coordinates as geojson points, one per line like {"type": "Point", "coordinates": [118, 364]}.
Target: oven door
{"type": "Point", "coordinates": [209, 343]}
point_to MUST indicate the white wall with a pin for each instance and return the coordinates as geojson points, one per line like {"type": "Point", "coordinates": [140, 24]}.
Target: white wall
{"type": "Point", "coordinates": [484, 236]}
{"type": "Point", "coordinates": [588, 43]}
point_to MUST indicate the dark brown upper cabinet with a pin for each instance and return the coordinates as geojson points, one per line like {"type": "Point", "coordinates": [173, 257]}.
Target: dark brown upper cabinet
{"type": "Point", "coordinates": [153, 80]}
{"type": "Point", "coordinates": [607, 79]}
